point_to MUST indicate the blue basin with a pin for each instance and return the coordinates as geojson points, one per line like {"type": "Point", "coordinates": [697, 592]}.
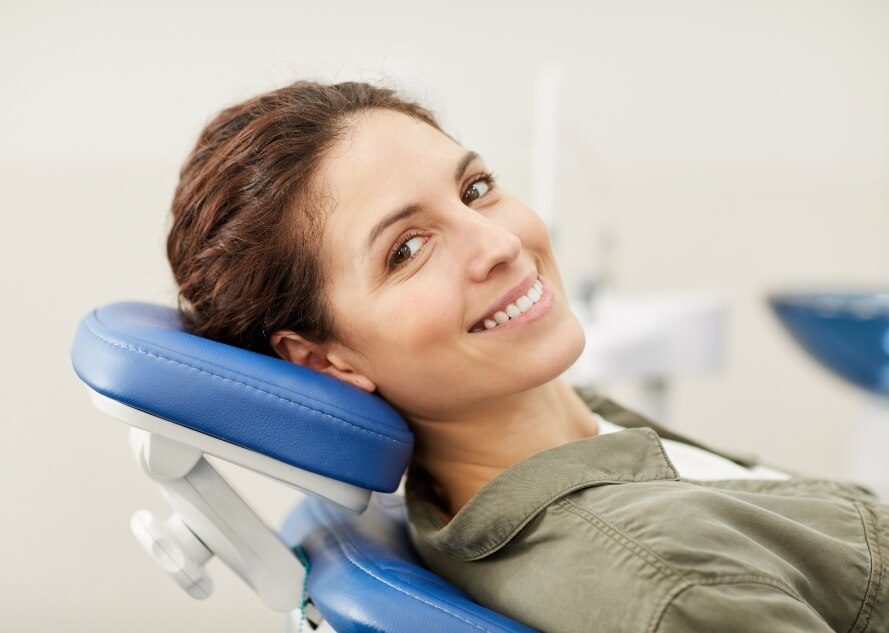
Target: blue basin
{"type": "Point", "coordinates": [847, 332]}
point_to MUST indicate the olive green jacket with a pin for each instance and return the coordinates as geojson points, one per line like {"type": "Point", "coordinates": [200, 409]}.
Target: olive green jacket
{"type": "Point", "coordinates": [603, 535]}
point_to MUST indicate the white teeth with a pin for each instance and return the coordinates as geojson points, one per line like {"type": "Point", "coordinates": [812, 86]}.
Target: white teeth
{"type": "Point", "coordinates": [521, 305]}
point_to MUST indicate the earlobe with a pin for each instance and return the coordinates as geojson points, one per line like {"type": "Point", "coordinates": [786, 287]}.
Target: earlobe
{"type": "Point", "coordinates": [341, 370]}
{"type": "Point", "coordinates": [353, 378]}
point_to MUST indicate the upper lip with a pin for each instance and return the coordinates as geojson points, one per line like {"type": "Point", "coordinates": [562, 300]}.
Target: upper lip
{"type": "Point", "coordinates": [517, 291]}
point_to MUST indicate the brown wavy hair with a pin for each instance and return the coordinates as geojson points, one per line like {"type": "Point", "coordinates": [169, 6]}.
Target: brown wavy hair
{"type": "Point", "coordinates": [247, 218]}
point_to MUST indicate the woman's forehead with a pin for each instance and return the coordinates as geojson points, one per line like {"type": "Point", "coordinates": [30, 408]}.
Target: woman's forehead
{"type": "Point", "coordinates": [386, 143]}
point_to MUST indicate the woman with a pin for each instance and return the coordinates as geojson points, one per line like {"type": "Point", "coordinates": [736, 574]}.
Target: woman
{"type": "Point", "coordinates": [338, 227]}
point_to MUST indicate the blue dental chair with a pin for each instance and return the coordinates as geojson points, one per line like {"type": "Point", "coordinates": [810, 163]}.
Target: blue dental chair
{"type": "Point", "coordinates": [342, 560]}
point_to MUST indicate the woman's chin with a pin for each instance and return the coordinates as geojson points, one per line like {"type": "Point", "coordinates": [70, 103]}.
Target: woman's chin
{"type": "Point", "coordinates": [554, 356]}
{"type": "Point", "coordinates": [572, 341]}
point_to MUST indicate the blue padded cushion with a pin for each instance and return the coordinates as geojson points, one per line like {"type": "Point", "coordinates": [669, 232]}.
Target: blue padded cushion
{"type": "Point", "coordinates": [364, 576]}
{"type": "Point", "coordinates": [141, 355]}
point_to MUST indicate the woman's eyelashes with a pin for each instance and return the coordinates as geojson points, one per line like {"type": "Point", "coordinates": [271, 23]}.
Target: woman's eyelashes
{"type": "Point", "coordinates": [410, 245]}
{"type": "Point", "coordinates": [487, 178]}
{"type": "Point", "coordinates": [402, 251]}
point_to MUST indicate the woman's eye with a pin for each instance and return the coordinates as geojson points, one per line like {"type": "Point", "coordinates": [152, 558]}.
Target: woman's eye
{"type": "Point", "coordinates": [477, 189]}
{"type": "Point", "coordinates": [405, 250]}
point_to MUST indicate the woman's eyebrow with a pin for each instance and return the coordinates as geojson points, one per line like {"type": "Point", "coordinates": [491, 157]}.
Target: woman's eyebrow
{"type": "Point", "coordinates": [414, 208]}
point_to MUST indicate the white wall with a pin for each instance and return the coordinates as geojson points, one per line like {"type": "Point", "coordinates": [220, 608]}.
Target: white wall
{"type": "Point", "coordinates": [733, 145]}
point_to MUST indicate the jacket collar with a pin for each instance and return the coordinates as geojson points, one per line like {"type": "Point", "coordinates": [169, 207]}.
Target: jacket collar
{"type": "Point", "coordinates": [509, 501]}
{"type": "Point", "coordinates": [513, 498]}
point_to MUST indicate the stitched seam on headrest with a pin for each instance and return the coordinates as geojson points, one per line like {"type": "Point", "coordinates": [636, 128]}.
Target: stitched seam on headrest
{"type": "Point", "coordinates": [333, 528]}
{"type": "Point", "coordinates": [271, 395]}
{"type": "Point", "coordinates": [332, 405]}
{"type": "Point", "coordinates": [408, 582]}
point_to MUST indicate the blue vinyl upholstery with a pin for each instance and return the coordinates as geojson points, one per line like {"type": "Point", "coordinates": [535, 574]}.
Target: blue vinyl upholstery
{"type": "Point", "coordinates": [365, 576]}
{"type": "Point", "coordinates": [140, 354]}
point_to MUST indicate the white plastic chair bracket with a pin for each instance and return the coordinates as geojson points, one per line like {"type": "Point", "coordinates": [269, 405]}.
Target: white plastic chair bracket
{"type": "Point", "coordinates": [210, 518]}
{"type": "Point", "coordinates": [348, 496]}
{"type": "Point", "coordinates": [176, 549]}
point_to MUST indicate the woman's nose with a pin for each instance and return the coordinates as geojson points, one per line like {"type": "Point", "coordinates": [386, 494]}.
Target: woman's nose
{"type": "Point", "coordinates": [489, 245]}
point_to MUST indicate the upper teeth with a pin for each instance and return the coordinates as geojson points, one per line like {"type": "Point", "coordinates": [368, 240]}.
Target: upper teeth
{"type": "Point", "coordinates": [514, 309]}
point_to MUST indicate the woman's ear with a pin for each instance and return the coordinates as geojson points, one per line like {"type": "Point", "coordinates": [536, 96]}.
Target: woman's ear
{"type": "Point", "coordinates": [297, 349]}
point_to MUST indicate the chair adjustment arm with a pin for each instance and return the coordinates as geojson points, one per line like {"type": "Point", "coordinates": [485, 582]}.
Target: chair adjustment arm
{"type": "Point", "coordinates": [219, 521]}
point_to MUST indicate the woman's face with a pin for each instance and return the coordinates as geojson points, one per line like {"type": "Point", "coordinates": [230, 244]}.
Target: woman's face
{"type": "Point", "coordinates": [420, 247]}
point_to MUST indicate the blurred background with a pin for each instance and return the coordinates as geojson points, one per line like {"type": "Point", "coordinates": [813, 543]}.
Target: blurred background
{"type": "Point", "coordinates": [694, 146]}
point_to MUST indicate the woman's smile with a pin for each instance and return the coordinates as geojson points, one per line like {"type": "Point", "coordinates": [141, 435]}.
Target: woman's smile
{"type": "Point", "coordinates": [528, 307]}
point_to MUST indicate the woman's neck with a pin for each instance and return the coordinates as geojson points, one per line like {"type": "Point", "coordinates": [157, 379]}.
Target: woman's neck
{"type": "Point", "coordinates": [462, 455]}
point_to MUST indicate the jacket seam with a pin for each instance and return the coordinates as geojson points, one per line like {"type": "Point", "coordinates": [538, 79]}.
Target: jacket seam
{"type": "Point", "coordinates": [684, 580]}
{"type": "Point", "coordinates": [732, 579]}
{"type": "Point", "coordinates": [663, 451]}
{"type": "Point", "coordinates": [867, 601]}
{"type": "Point", "coordinates": [618, 536]}
{"type": "Point", "coordinates": [828, 487]}
{"type": "Point", "coordinates": [499, 542]}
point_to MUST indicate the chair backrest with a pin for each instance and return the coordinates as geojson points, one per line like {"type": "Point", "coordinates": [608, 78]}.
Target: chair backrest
{"type": "Point", "coordinates": [366, 577]}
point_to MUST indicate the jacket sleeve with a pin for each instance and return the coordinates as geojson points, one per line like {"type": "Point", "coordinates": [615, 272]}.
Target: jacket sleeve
{"type": "Point", "coordinates": [745, 607]}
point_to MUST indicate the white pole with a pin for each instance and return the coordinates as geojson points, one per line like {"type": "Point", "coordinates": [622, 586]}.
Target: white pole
{"type": "Point", "coordinates": [547, 85]}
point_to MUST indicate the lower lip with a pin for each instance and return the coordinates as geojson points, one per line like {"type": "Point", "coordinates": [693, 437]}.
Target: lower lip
{"type": "Point", "coordinates": [531, 314]}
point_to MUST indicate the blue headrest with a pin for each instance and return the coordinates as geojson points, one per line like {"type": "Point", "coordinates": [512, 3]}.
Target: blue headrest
{"type": "Point", "coordinates": [141, 355]}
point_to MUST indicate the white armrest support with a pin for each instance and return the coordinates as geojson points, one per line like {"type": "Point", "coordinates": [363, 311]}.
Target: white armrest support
{"type": "Point", "coordinates": [209, 517]}
{"type": "Point", "coordinates": [220, 519]}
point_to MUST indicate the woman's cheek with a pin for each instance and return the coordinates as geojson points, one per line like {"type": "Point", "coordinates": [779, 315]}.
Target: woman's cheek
{"type": "Point", "coordinates": [430, 315]}
{"type": "Point", "coordinates": [438, 325]}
